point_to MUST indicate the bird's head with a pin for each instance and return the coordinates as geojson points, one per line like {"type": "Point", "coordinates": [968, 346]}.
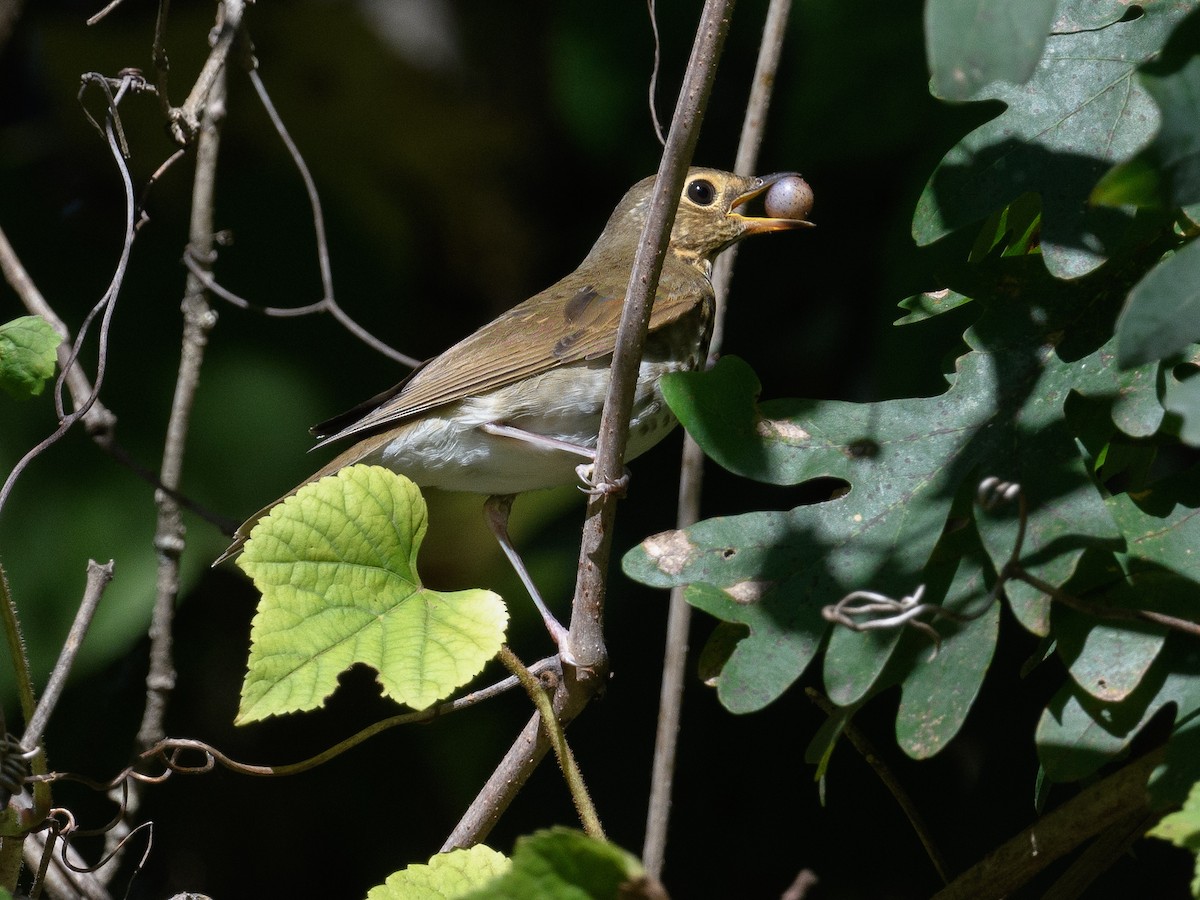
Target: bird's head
{"type": "Point", "coordinates": [716, 209]}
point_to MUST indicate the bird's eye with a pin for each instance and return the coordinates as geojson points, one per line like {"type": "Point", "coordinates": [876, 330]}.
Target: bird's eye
{"type": "Point", "coordinates": [701, 192]}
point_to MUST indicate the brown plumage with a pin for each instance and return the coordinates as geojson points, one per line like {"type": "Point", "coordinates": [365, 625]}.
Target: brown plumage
{"type": "Point", "coordinates": [516, 405]}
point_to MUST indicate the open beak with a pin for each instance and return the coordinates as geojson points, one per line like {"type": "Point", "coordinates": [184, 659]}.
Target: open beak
{"type": "Point", "coordinates": [787, 211]}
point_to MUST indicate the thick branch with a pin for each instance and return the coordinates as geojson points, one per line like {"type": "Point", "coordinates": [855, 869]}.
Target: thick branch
{"type": "Point", "coordinates": [1015, 862]}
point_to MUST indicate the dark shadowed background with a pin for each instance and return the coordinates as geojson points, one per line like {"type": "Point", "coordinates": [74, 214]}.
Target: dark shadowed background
{"type": "Point", "coordinates": [467, 155]}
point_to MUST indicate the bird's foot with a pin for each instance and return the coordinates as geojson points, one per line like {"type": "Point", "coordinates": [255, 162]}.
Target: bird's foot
{"type": "Point", "coordinates": [594, 488]}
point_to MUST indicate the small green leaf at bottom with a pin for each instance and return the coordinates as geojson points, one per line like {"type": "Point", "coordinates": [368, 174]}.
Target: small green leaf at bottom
{"type": "Point", "coordinates": [447, 876]}
{"type": "Point", "coordinates": [561, 862]}
{"type": "Point", "coordinates": [336, 566]}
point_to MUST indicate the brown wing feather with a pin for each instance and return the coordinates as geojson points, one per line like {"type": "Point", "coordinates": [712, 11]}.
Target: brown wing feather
{"type": "Point", "coordinates": [520, 343]}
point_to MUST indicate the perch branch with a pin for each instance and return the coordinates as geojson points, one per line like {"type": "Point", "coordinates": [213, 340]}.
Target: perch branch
{"type": "Point", "coordinates": [586, 633]}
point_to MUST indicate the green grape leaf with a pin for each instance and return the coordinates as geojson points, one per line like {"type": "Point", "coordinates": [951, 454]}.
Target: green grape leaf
{"type": "Point", "coordinates": [27, 355]}
{"type": "Point", "coordinates": [1081, 112]}
{"type": "Point", "coordinates": [447, 876]}
{"type": "Point", "coordinates": [562, 863]}
{"type": "Point", "coordinates": [1162, 314]}
{"type": "Point", "coordinates": [971, 44]}
{"type": "Point", "coordinates": [336, 566]}
{"type": "Point", "coordinates": [1182, 829]}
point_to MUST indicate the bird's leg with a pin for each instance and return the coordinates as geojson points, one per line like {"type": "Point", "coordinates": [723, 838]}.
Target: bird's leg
{"type": "Point", "coordinates": [496, 510]}
{"type": "Point", "coordinates": [583, 470]}
{"type": "Point", "coordinates": [538, 440]}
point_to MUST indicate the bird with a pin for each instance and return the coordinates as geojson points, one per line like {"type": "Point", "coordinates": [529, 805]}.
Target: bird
{"type": "Point", "coordinates": [516, 405]}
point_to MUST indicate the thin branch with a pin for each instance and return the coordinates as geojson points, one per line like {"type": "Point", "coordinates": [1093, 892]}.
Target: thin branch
{"type": "Point", "coordinates": [691, 468]}
{"type": "Point", "coordinates": [185, 119]}
{"type": "Point", "coordinates": [198, 320]}
{"type": "Point", "coordinates": [652, 11]}
{"type": "Point", "coordinates": [107, 303]}
{"type": "Point", "coordinates": [169, 751]}
{"type": "Point", "coordinates": [991, 493]}
{"type": "Point", "coordinates": [328, 303]}
{"type": "Point", "coordinates": [158, 52]}
{"type": "Point", "coordinates": [97, 417]}
{"type": "Point", "coordinates": [1118, 613]}
{"type": "Point", "coordinates": [96, 17]}
{"type": "Point", "coordinates": [866, 749]}
{"type": "Point", "coordinates": [98, 577]}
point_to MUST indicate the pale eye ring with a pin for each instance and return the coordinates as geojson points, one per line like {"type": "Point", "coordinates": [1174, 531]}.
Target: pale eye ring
{"type": "Point", "coordinates": [701, 192]}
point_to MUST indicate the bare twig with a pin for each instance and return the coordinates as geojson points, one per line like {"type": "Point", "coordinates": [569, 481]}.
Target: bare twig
{"type": "Point", "coordinates": [97, 417]}
{"type": "Point", "coordinates": [652, 11]}
{"type": "Point", "coordinates": [586, 633]}
{"type": "Point", "coordinates": [691, 469]}
{"type": "Point", "coordinates": [98, 577]}
{"type": "Point", "coordinates": [200, 266]}
{"type": "Point", "coordinates": [198, 320]}
{"type": "Point", "coordinates": [169, 752]}
{"type": "Point", "coordinates": [96, 17]}
{"type": "Point", "coordinates": [185, 119]}
{"type": "Point", "coordinates": [586, 641]}
{"type": "Point", "coordinates": [106, 304]}
{"type": "Point", "coordinates": [886, 612]}
{"type": "Point", "coordinates": [158, 52]}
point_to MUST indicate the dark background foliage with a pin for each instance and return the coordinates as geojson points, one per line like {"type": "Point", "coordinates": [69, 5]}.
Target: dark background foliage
{"type": "Point", "coordinates": [467, 155]}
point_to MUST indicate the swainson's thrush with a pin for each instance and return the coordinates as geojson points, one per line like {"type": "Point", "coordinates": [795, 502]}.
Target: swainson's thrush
{"type": "Point", "coordinates": [516, 406]}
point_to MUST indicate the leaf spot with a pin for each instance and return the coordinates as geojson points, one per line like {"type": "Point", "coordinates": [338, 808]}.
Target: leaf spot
{"type": "Point", "coordinates": [670, 550]}
{"type": "Point", "coordinates": [747, 592]}
{"type": "Point", "coordinates": [781, 430]}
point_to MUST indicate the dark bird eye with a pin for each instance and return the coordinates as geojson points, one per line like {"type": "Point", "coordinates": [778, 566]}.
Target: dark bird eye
{"type": "Point", "coordinates": [701, 192]}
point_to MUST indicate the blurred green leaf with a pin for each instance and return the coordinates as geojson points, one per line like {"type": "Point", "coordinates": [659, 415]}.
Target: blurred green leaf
{"type": "Point", "coordinates": [971, 44]}
{"type": "Point", "coordinates": [27, 355]}
{"type": "Point", "coordinates": [336, 565]}
{"type": "Point", "coordinates": [447, 876]}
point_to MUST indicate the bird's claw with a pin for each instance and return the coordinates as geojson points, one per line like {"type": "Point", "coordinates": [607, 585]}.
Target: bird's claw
{"type": "Point", "coordinates": [593, 488]}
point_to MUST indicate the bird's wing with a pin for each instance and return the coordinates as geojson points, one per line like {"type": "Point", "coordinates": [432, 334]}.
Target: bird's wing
{"type": "Point", "coordinates": [519, 344]}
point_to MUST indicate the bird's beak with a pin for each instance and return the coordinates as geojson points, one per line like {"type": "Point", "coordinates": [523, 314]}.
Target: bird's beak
{"type": "Point", "coordinates": [751, 224]}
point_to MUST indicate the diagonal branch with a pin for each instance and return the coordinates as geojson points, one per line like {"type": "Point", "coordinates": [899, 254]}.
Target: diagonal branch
{"type": "Point", "coordinates": [586, 639]}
